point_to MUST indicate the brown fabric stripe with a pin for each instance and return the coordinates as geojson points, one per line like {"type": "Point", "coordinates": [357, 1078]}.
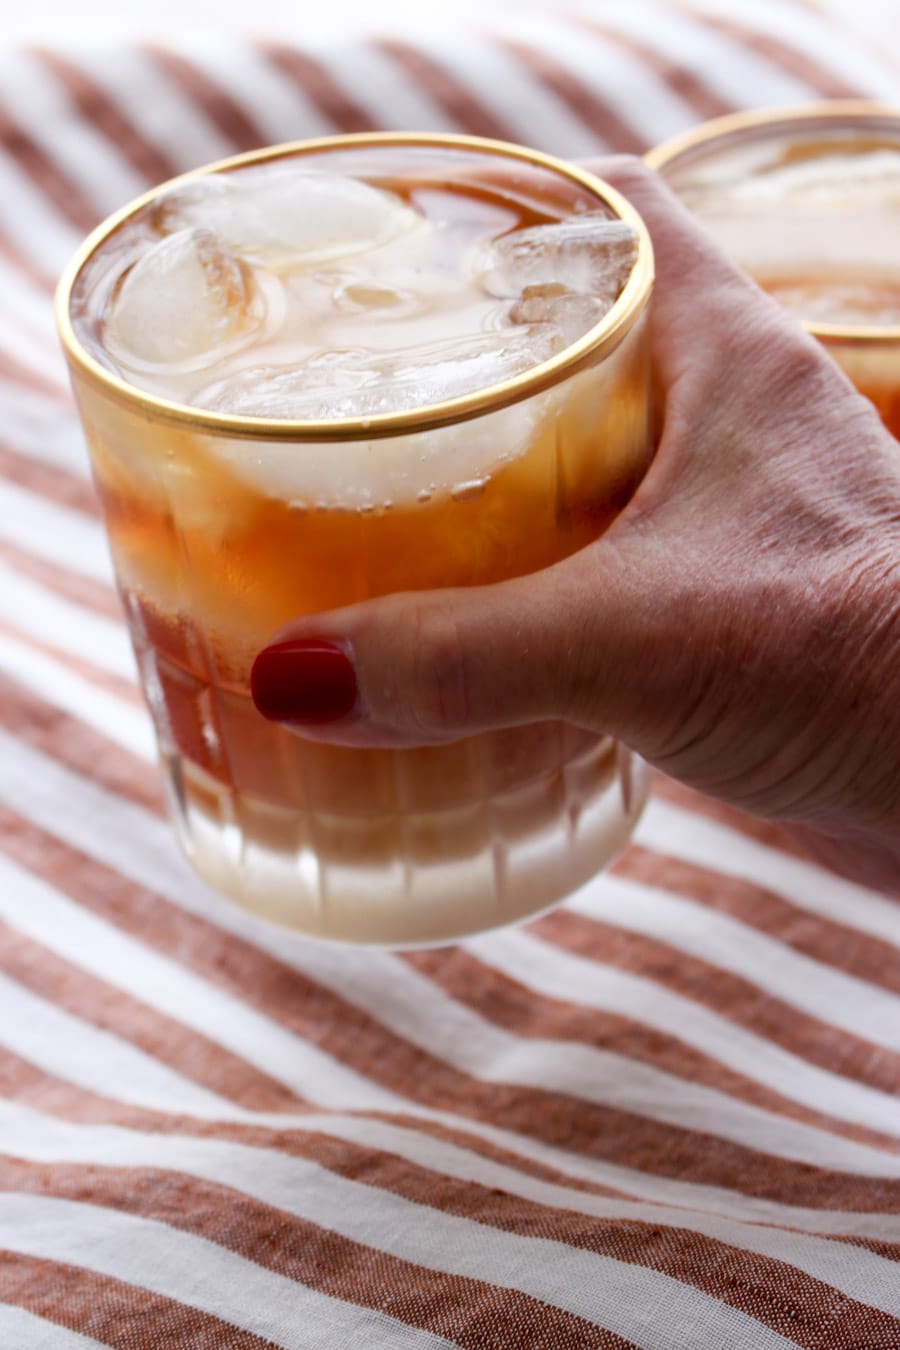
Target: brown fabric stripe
{"type": "Point", "coordinates": [45, 175]}
{"type": "Point", "coordinates": [19, 373]}
{"type": "Point", "coordinates": [51, 481]}
{"type": "Point", "coordinates": [24, 1082]}
{"type": "Point", "coordinates": [102, 679]}
{"type": "Point", "coordinates": [106, 116]}
{"type": "Point", "coordinates": [353, 1037]}
{"type": "Point", "coordinates": [475, 1314]}
{"type": "Point", "coordinates": [729, 995]}
{"type": "Point", "coordinates": [524, 1012]}
{"type": "Point", "coordinates": [118, 1314]}
{"type": "Point", "coordinates": [464, 108]}
{"type": "Point", "coordinates": [78, 747]}
{"type": "Point", "coordinates": [772, 1291]}
{"type": "Point", "coordinates": [584, 102]}
{"type": "Point", "coordinates": [779, 53]}
{"type": "Point", "coordinates": [316, 82]}
{"type": "Point", "coordinates": [230, 116]}
{"type": "Point", "coordinates": [825, 940]}
{"type": "Point", "coordinates": [189, 1052]}
{"type": "Point", "coordinates": [675, 74]}
{"type": "Point", "coordinates": [81, 590]}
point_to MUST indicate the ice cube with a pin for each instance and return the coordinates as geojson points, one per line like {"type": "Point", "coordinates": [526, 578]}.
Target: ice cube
{"type": "Point", "coordinates": [346, 384]}
{"type": "Point", "coordinates": [570, 313]}
{"type": "Point", "coordinates": [398, 471]}
{"type": "Point", "coordinates": [278, 214]}
{"type": "Point", "coordinates": [834, 178]}
{"type": "Point", "coordinates": [185, 303]}
{"type": "Point", "coordinates": [329, 385]}
{"type": "Point", "coordinates": [448, 370]}
{"type": "Point", "coordinates": [591, 254]}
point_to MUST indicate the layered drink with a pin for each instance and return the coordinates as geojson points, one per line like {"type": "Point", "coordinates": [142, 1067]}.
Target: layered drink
{"type": "Point", "coordinates": [334, 371]}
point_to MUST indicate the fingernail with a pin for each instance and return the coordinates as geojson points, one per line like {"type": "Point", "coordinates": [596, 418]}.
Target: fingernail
{"type": "Point", "coordinates": [309, 682]}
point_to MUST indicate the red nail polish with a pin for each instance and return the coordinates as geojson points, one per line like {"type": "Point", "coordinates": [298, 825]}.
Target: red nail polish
{"type": "Point", "coordinates": [307, 682]}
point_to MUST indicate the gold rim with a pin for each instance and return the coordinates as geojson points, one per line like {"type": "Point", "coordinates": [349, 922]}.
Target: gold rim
{"type": "Point", "coordinates": [596, 343]}
{"type": "Point", "coordinates": [842, 112]}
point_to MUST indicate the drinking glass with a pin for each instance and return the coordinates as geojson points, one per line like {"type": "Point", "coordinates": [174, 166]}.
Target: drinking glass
{"type": "Point", "coordinates": [223, 528]}
{"type": "Point", "coordinates": [807, 200]}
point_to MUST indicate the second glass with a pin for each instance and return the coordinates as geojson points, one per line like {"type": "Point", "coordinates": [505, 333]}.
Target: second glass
{"type": "Point", "coordinates": [807, 200]}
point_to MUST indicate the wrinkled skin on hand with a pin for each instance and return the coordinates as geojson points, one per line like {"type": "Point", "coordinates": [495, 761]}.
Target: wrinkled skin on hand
{"type": "Point", "coordinates": [739, 626]}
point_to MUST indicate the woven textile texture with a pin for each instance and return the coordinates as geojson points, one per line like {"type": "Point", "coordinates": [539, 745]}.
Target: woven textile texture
{"type": "Point", "coordinates": [666, 1116]}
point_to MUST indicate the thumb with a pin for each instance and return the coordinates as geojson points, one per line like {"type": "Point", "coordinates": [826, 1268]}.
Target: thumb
{"type": "Point", "coordinates": [420, 668]}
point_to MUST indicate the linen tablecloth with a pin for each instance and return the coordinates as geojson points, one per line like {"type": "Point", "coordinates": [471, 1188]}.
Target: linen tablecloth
{"type": "Point", "coordinates": [664, 1115]}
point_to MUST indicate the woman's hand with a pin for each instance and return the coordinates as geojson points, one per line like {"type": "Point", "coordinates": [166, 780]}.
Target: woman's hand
{"type": "Point", "coordinates": [738, 626]}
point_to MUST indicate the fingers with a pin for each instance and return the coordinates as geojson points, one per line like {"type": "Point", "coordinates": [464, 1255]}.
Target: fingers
{"type": "Point", "coordinates": [422, 668]}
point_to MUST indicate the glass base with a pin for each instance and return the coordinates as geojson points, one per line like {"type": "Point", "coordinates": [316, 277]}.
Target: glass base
{"type": "Point", "coordinates": [408, 880]}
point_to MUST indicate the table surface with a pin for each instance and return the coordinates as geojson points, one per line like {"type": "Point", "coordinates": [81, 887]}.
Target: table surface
{"type": "Point", "coordinates": [664, 1116]}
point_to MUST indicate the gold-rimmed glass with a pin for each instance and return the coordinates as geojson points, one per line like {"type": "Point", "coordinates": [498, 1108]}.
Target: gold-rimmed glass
{"type": "Point", "coordinates": [379, 846]}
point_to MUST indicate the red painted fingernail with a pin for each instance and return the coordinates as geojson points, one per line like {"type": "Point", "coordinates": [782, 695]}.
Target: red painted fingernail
{"type": "Point", "coordinates": [309, 682]}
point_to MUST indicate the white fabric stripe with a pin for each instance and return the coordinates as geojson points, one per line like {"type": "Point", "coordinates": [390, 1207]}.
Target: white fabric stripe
{"type": "Point", "coordinates": [24, 1330]}
{"type": "Point", "coordinates": [534, 115]}
{"type": "Point", "coordinates": [71, 628]}
{"type": "Point", "coordinates": [140, 847]}
{"type": "Point", "coordinates": [815, 38]}
{"type": "Point", "coordinates": [42, 428]}
{"type": "Point", "coordinates": [822, 991]}
{"type": "Point", "coordinates": [200, 1273]}
{"type": "Point", "coordinates": [733, 71]}
{"type": "Point", "coordinates": [56, 533]}
{"type": "Point", "coordinates": [34, 908]}
{"type": "Point", "coordinates": [29, 219]}
{"type": "Point", "coordinates": [280, 110]}
{"type": "Point", "coordinates": [671, 830]}
{"type": "Point", "coordinates": [554, 973]}
{"type": "Point", "coordinates": [26, 348]}
{"type": "Point", "coordinates": [265, 1173]}
{"type": "Point", "coordinates": [415, 1008]}
{"type": "Point", "coordinates": [102, 176]}
{"type": "Point", "coordinates": [155, 104]}
{"type": "Point", "coordinates": [27, 303]}
{"type": "Point", "coordinates": [76, 1051]}
{"type": "Point", "coordinates": [622, 1297]}
{"type": "Point", "coordinates": [123, 723]}
{"type": "Point", "coordinates": [383, 89]}
{"type": "Point", "coordinates": [629, 86]}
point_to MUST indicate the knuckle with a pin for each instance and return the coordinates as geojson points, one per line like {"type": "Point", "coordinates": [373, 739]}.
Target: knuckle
{"type": "Point", "coordinates": [439, 695]}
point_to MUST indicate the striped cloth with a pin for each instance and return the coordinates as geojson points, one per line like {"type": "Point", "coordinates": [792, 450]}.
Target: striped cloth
{"type": "Point", "coordinates": [664, 1116]}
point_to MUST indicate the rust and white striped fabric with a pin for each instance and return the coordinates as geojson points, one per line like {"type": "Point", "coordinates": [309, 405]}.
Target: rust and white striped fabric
{"type": "Point", "coordinates": [665, 1117]}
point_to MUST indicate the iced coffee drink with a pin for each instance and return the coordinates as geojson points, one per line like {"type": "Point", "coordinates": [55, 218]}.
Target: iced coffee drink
{"type": "Point", "coordinates": [329, 372]}
{"type": "Point", "coordinates": [808, 202]}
